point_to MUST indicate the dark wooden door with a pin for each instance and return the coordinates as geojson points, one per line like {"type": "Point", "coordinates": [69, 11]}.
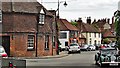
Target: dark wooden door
{"type": "Point", "coordinates": [6, 44]}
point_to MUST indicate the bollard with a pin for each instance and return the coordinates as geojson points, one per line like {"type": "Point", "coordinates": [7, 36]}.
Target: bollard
{"type": "Point", "coordinates": [10, 65]}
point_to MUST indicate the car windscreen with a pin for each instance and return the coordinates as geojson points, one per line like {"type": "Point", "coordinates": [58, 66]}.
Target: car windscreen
{"type": "Point", "coordinates": [108, 52]}
{"type": "Point", "coordinates": [73, 45]}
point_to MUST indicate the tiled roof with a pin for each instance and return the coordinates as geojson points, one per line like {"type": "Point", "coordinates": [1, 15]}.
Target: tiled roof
{"type": "Point", "coordinates": [112, 27]}
{"type": "Point", "coordinates": [23, 7]}
{"type": "Point", "coordinates": [108, 33]}
{"type": "Point", "coordinates": [63, 24]}
{"type": "Point", "coordinates": [28, 7]}
{"type": "Point", "coordinates": [85, 27]}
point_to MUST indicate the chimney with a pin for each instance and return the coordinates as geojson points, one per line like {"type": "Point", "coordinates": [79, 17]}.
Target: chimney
{"type": "Point", "coordinates": [112, 19]}
{"type": "Point", "coordinates": [108, 20]}
{"type": "Point", "coordinates": [94, 21]}
{"type": "Point", "coordinates": [80, 20]}
{"type": "Point", "coordinates": [89, 20]}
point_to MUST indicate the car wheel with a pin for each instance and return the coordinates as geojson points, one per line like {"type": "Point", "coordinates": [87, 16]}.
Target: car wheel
{"type": "Point", "coordinates": [102, 65]}
{"type": "Point", "coordinates": [79, 52]}
{"type": "Point", "coordinates": [96, 63]}
{"type": "Point", "coordinates": [69, 52]}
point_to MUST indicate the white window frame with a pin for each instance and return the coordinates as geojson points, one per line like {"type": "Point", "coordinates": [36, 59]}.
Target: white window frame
{"type": "Point", "coordinates": [30, 42]}
{"type": "Point", "coordinates": [42, 17]}
{"type": "Point", "coordinates": [46, 42]}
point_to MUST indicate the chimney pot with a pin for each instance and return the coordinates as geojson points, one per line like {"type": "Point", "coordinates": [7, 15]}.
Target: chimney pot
{"type": "Point", "coordinates": [89, 20]}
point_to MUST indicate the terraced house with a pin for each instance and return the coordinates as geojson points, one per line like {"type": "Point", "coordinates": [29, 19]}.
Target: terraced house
{"type": "Point", "coordinates": [107, 30]}
{"type": "Point", "coordinates": [28, 29]}
{"type": "Point", "coordinates": [92, 34]}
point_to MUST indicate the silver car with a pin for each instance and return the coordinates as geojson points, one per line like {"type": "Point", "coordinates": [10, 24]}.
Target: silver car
{"type": "Point", "coordinates": [84, 47]}
{"type": "Point", "coordinates": [74, 47]}
{"type": "Point", "coordinates": [2, 52]}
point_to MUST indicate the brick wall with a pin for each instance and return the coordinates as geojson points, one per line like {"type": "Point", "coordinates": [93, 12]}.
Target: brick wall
{"type": "Point", "coordinates": [19, 26]}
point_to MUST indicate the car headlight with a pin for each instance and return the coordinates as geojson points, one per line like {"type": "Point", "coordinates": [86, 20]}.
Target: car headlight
{"type": "Point", "coordinates": [118, 58]}
{"type": "Point", "coordinates": [106, 59]}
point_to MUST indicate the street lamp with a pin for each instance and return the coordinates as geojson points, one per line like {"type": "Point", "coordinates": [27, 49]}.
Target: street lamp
{"type": "Point", "coordinates": [65, 4]}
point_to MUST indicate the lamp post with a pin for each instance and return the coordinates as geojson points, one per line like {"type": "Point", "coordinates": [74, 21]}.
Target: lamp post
{"type": "Point", "coordinates": [57, 17]}
{"type": "Point", "coordinates": [65, 4]}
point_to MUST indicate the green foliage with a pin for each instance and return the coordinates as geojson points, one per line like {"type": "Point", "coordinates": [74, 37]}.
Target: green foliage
{"type": "Point", "coordinates": [106, 41]}
{"type": "Point", "coordinates": [74, 23]}
{"type": "Point", "coordinates": [117, 28]}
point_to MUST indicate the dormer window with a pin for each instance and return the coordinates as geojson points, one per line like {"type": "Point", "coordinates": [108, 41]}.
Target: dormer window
{"type": "Point", "coordinates": [42, 17]}
{"type": "Point", "coordinates": [0, 15]}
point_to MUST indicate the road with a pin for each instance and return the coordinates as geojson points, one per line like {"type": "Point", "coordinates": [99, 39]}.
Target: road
{"type": "Point", "coordinates": [85, 59]}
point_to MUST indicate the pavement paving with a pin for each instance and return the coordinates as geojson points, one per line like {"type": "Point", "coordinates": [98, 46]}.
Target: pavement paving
{"type": "Point", "coordinates": [61, 54]}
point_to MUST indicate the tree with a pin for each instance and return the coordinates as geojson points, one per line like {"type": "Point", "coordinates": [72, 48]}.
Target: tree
{"type": "Point", "coordinates": [106, 41]}
{"type": "Point", "coordinates": [74, 23]}
{"type": "Point", "coordinates": [117, 27]}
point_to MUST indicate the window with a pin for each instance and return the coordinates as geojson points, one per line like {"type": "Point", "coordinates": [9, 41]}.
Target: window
{"type": "Point", "coordinates": [54, 41]}
{"type": "Point", "coordinates": [66, 43]}
{"type": "Point", "coordinates": [99, 35]}
{"type": "Point", "coordinates": [41, 19]}
{"type": "Point", "coordinates": [0, 16]}
{"type": "Point", "coordinates": [73, 34]}
{"type": "Point", "coordinates": [95, 35]}
{"type": "Point", "coordinates": [30, 42]}
{"type": "Point", "coordinates": [90, 41]}
{"type": "Point", "coordinates": [47, 42]}
{"type": "Point", "coordinates": [63, 35]}
{"type": "Point", "coordinates": [95, 42]}
{"type": "Point", "coordinates": [90, 34]}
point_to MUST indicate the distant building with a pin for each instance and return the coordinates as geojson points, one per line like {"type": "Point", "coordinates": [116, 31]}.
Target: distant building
{"type": "Point", "coordinates": [92, 34]}
{"type": "Point", "coordinates": [67, 33]}
{"type": "Point", "coordinates": [107, 29]}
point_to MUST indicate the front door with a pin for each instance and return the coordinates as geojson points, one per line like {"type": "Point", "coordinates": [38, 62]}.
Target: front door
{"type": "Point", "coordinates": [6, 44]}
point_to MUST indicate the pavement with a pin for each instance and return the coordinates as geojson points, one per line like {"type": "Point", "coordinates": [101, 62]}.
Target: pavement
{"type": "Point", "coordinates": [61, 54]}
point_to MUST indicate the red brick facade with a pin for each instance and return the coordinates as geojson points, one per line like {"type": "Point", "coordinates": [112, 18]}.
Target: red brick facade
{"type": "Point", "coordinates": [18, 25]}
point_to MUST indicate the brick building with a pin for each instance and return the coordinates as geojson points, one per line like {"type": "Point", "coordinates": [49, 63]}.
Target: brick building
{"type": "Point", "coordinates": [28, 29]}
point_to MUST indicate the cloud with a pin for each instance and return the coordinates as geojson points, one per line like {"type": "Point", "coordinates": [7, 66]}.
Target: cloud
{"type": "Point", "coordinates": [77, 8]}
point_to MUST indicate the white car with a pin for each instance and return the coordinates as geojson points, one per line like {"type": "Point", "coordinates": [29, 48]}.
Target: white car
{"type": "Point", "coordinates": [74, 47]}
{"type": "Point", "coordinates": [91, 48]}
{"type": "Point", "coordinates": [2, 52]}
{"type": "Point", "coordinates": [84, 47]}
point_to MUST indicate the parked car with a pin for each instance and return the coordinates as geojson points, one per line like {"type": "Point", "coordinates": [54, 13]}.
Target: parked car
{"type": "Point", "coordinates": [107, 56]}
{"type": "Point", "coordinates": [84, 47]}
{"type": "Point", "coordinates": [2, 52]}
{"type": "Point", "coordinates": [91, 48]}
{"type": "Point", "coordinates": [74, 47]}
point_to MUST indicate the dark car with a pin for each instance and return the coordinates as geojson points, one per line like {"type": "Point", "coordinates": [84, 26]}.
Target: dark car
{"type": "Point", "coordinates": [107, 56]}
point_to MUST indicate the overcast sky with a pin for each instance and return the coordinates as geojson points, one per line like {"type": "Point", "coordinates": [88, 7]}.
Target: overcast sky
{"type": "Point", "coordinates": [83, 8]}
